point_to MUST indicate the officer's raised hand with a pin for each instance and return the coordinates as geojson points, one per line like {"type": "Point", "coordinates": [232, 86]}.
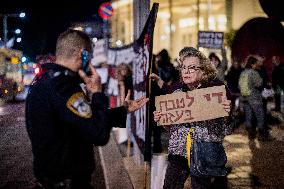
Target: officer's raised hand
{"type": "Point", "coordinates": [93, 82]}
{"type": "Point", "coordinates": [133, 105]}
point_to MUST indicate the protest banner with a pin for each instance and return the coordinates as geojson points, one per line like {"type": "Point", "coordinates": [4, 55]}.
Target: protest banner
{"type": "Point", "coordinates": [138, 55]}
{"type": "Point", "coordinates": [192, 106]}
{"type": "Point", "coordinates": [99, 53]}
{"type": "Point", "coordinates": [211, 40]}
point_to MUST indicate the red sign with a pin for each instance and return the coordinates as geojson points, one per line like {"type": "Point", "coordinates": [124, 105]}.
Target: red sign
{"type": "Point", "coordinates": [105, 10]}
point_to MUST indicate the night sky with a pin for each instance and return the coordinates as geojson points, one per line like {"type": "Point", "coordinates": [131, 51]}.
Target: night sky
{"type": "Point", "coordinates": [45, 20]}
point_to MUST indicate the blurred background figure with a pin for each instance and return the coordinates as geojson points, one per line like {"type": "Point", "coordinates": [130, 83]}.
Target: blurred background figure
{"type": "Point", "coordinates": [266, 84]}
{"type": "Point", "coordinates": [124, 77]}
{"type": "Point", "coordinates": [277, 81]}
{"type": "Point", "coordinates": [250, 84]}
{"type": "Point", "coordinates": [164, 76]}
{"type": "Point", "coordinates": [165, 69]}
{"type": "Point", "coordinates": [221, 66]}
{"type": "Point", "coordinates": [232, 79]}
{"type": "Point", "coordinates": [125, 86]}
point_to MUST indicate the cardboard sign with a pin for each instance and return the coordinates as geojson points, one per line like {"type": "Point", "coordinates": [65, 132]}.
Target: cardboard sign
{"type": "Point", "coordinates": [186, 107]}
{"type": "Point", "coordinates": [211, 40]}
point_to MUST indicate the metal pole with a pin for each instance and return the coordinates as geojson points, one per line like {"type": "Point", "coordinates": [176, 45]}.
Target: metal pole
{"type": "Point", "coordinates": [141, 9]}
{"type": "Point", "coordinates": [5, 30]}
{"type": "Point", "coordinates": [5, 26]}
{"type": "Point", "coordinates": [105, 33]}
{"type": "Point", "coordinates": [229, 7]}
{"type": "Point", "coordinates": [171, 24]}
{"type": "Point", "coordinates": [209, 6]}
{"type": "Point", "coordinates": [197, 20]}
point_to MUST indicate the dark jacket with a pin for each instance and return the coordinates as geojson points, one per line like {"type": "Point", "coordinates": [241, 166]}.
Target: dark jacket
{"type": "Point", "coordinates": [278, 77]}
{"type": "Point", "coordinates": [232, 79]}
{"type": "Point", "coordinates": [63, 125]}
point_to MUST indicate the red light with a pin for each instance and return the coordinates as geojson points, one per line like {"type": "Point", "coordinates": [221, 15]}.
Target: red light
{"type": "Point", "coordinates": [37, 71]}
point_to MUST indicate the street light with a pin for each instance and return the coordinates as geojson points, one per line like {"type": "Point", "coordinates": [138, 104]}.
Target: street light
{"type": "Point", "coordinates": [23, 59]}
{"type": "Point", "coordinates": [19, 39]}
{"type": "Point", "coordinates": [17, 31]}
{"type": "Point", "coordinates": [22, 15]}
{"type": "Point", "coordinates": [5, 26]}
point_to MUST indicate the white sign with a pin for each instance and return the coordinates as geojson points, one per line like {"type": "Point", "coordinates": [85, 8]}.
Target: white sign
{"type": "Point", "coordinates": [211, 40]}
{"type": "Point", "coordinates": [99, 54]}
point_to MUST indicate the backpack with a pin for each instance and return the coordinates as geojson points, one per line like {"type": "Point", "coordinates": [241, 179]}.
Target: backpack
{"type": "Point", "coordinates": [244, 84]}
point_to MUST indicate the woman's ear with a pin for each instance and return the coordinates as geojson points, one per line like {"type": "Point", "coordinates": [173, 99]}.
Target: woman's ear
{"type": "Point", "coordinates": [203, 77]}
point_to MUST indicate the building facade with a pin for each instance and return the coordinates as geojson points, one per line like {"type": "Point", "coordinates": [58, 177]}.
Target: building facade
{"type": "Point", "coordinates": [178, 21]}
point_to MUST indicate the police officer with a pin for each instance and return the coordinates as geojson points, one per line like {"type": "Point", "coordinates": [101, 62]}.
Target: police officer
{"type": "Point", "coordinates": [64, 121]}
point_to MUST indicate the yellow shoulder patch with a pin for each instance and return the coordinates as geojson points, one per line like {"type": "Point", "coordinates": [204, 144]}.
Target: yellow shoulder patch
{"type": "Point", "coordinates": [78, 104]}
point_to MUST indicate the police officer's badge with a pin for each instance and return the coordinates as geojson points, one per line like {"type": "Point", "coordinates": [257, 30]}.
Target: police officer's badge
{"type": "Point", "coordinates": [78, 104]}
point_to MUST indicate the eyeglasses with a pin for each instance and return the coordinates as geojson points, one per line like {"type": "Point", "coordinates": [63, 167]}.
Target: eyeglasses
{"type": "Point", "coordinates": [190, 69]}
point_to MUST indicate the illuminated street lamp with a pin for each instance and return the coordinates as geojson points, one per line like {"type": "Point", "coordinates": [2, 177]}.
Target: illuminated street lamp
{"type": "Point", "coordinates": [22, 15]}
{"type": "Point", "coordinates": [17, 31]}
{"type": "Point", "coordinates": [23, 59]}
{"type": "Point", "coordinates": [19, 39]}
{"type": "Point", "coordinates": [5, 26]}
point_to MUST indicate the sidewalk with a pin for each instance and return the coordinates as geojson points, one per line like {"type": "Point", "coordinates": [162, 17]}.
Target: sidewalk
{"type": "Point", "coordinates": [253, 164]}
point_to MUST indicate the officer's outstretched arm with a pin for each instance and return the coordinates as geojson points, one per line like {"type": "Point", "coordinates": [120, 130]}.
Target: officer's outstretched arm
{"type": "Point", "coordinates": [118, 115]}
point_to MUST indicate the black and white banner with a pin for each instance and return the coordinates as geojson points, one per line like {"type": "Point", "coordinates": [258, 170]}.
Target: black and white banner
{"type": "Point", "coordinates": [138, 55]}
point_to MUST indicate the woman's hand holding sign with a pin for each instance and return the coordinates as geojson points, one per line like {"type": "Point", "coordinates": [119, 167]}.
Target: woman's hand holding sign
{"type": "Point", "coordinates": [227, 105]}
{"type": "Point", "coordinates": [157, 115]}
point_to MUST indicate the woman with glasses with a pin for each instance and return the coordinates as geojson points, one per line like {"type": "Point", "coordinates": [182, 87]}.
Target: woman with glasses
{"type": "Point", "coordinates": [196, 72]}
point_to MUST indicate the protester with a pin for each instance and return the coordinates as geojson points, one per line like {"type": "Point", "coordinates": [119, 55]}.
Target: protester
{"type": "Point", "coordinates": [265, 87]}
{"type": "Point", "coordinates": [277, 81]}
{"type": "Point", "coordinates": [163, 69]}
{"type": "Point", "coordinates": [221, 66]}
{"type": "Point", "coordinates": [63, 122]}
{"type": "Point", "coordinates": [196, 72]}
{"type": "Point", "coordinates": [266, 84]}
{"type": "Point", "coordinates": [232, 80]}
{"type": "Point", "coordinates": [124, 77]}
{"type": "Point", "coordinates": [164, 87]}
{"type": "Point", "coordinates": [250, 84]}
{"type": "Point", "coordinates": [125, 85]}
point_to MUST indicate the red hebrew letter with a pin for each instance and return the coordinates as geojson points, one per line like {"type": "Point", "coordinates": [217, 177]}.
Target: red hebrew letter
{"type": "Point", "coordinates": [163, 102]}
{"type": "Point", "coordinates": [163, 118]}
{"type": "Point", "coordinates": [178, 116]}
{"type": "Point", "coordinates": [169, 117]}
{"type": "Point", "coordinates": [180, 103]}
{"type": "Point", "coordinates": [207, 96]}
{"type": "Point", "coordinates": [173, 105]}
{"type": "Point", "coordinates": [191, 100]}
{"type": "Point", "coordinates": [219, 96]}
{"type": "Point", "coordinates": [188, 114]}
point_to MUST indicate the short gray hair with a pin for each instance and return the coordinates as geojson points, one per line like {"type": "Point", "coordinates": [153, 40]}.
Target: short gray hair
{"type": "Point", "coordinates": [206, 66]}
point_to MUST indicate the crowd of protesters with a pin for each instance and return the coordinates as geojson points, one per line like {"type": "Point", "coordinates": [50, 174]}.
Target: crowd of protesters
{"type": "Point", "coordinates": [247, 84]}
{"type": "Point", "coordinates": [250, 76]}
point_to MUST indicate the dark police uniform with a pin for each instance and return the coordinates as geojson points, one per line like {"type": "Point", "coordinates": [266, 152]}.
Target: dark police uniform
{"type": "Point", "coordinates": [63, 126]}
